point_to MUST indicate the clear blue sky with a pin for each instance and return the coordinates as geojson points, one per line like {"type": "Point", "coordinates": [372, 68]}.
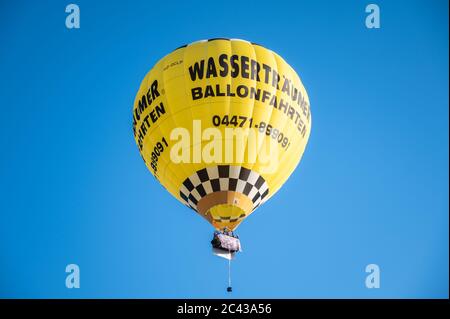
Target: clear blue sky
{"type": "Point", "coordinates": [372, 186]}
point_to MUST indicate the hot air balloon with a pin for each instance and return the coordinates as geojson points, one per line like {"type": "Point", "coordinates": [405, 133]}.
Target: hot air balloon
{"type": "Point", "coordinates": [221, 124]}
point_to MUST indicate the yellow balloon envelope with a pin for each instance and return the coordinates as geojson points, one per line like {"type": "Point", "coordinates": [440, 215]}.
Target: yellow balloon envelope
{"type": "Point", "coordinates": [221, 124]}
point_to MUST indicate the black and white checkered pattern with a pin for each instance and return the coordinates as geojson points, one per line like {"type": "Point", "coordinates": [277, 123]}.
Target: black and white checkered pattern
{"type": "Point", "coordinates": [224, 178]}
